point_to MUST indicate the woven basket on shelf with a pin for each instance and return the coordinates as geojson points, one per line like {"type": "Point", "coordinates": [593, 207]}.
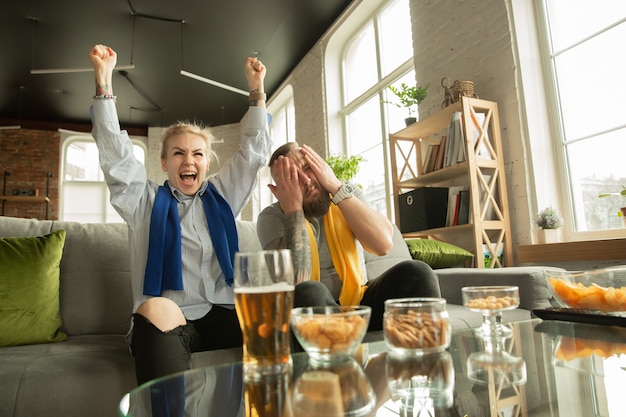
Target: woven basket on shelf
{"type": "Point", "coordinates": [463, 89]}
{"type": "Point", "coordinates": [456, 90]}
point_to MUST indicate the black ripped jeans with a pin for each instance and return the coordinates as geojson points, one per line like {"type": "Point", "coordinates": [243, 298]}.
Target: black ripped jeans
{"type": "Point", "coordinates": [407, 279]}
{"type": "Point", "coordinates": [160, 353]}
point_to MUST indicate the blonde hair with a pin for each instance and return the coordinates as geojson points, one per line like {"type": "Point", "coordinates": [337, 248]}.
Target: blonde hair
{"type": "Point", "coordinates": [191, 128]}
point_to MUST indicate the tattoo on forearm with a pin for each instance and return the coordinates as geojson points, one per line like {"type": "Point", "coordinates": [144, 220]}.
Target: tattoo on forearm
{"type": "Point", "coordinates": [297, 239]}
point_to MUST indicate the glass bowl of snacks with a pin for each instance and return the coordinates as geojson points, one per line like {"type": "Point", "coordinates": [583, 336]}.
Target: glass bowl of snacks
{"type": "Point", "coordinates": [601, 289]}
{"type": "Point", "coordinates": [416, 326]}
{"type": "Point", "coordinates": [330, 333]}
{"type": "Point", "coordinates": [491, 301]}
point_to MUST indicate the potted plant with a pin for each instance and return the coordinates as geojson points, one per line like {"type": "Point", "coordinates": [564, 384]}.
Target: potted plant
{"type": "Point", "coordinates": [622, 211]}
{"type": "Point", "coordinates": [408, 97]}
{"type": "Point", "coordinates": [549, 221]}
{"type": "Point", "coordinates": [345, 167]}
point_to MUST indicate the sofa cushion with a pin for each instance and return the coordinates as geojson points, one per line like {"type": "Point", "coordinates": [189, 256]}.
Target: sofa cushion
{"type": "Point", "coordinates": [83, 376]}
{"type": "Point", "coordinates": [29, 289]}
{"type": "Point", "coordinates": [437, 254]}
{"type": "Point", "coordinates": [376, 265]}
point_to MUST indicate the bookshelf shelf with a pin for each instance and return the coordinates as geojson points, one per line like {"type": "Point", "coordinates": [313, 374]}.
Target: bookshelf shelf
{"type": "Point", "coordinates": [24, 199]}
{"type": "Point", "coordinates": [33, 199]}
{"type": "Point", "coordinates": [481, 172]}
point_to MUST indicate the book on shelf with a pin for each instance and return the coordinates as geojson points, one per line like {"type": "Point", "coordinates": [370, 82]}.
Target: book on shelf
{"type": "Point", "coordinates": [464, 207]}
{"type": "Point", "coordinates": [430, 159]}
{"type": "Point", "coordinates": [427, 156]}
{"type": "Point", "coordinates": [458, 138]}
{"type": "Point", "coordinates": [433, 158]}
{"type": "Point", "coordinates": [455, 146]}
{"type": "Point", "coordinates": [455, 216]}
{"type": "Point", "coordinates": [452, 215]}
{"type": "Point", "coordinates": [488, 255]}
{"type": "Point", "coordinates": [449, 145]}
{"type": "Point", "coordinates": [440, 152]}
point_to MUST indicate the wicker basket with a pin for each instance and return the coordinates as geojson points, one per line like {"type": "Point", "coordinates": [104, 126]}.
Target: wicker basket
{"type": "Point", "coordinates": [463, 89]}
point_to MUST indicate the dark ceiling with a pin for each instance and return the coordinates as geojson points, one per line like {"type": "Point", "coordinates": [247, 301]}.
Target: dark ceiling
{"type": "Point", "coordinates": [210, 38]}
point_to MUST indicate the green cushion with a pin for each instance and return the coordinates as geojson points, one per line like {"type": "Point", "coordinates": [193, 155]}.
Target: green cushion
{"type": "Point", "coordinates": [29, 289]}
{"type": "Point", "coordinates": [437, 254]}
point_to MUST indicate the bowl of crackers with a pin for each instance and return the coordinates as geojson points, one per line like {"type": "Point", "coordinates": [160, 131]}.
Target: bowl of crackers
{"type": "Point", "coordinates": [601, 289]}
{"type": "Point", "coordinates": [330, 333]}
{"type": "Point", "coordinates": [416, 326]}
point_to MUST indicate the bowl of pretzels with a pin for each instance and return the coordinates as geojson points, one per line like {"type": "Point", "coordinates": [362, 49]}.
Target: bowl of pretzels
{"type": "Point", "coordinates": [416, 326]}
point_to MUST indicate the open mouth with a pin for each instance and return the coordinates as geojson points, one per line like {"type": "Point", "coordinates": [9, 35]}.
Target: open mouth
{"type": "Point", "coordinates": [188, 177]}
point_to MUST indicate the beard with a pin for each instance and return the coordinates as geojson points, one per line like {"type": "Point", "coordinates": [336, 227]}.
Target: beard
{"type": "Point", "coordinates": [318, 207]}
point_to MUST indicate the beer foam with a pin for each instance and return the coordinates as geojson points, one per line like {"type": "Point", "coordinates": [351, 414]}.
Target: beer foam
{"type": "Point", "coordinates": [277, 287]}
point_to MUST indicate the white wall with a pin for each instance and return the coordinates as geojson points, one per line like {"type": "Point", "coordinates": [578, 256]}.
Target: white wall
{"type": "Point", "coordinates": [472, 40]}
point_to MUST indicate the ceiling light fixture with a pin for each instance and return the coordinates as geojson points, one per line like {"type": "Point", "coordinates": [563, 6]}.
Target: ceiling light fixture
{"type": "Point", "coordinates": [215, 83]}
{"type": "Point", "coordinates": [71, 70]}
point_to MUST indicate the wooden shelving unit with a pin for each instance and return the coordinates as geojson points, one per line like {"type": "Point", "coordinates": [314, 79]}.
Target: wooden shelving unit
{"type": "Point", "coordinates": [24, 199]}
{"type": "Point", "coordinates": [35, 199]}
{"type": "Point", "coordinates": [482, 173]}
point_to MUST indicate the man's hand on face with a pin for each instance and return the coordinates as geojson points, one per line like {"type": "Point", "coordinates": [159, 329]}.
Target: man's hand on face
{"type": "Point", "coordinates": [287, 190]}
{"type": "Point", "coordinates": [320, 168]}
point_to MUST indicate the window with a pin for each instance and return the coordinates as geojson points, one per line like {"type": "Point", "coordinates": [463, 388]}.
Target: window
{"type": "Point", "coordinates": [586, 71]}
{"type": "Point", "coordinates": [379, 53]}
{"type": "Point", "coordinates": [84, 194]}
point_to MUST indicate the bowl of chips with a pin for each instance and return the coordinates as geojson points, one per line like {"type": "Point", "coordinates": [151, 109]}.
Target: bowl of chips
{"type": "Point", "coordinates": [330, 333]}
{"type": "Point", "coordinates": [600, 290]}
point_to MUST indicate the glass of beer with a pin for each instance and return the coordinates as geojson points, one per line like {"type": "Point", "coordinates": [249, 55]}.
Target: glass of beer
{"type": "Point", "coordinates": [264, 289]}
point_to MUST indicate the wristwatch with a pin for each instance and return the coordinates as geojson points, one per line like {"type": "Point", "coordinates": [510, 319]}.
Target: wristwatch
{"type": "Point", "coordinates": [345, 191]}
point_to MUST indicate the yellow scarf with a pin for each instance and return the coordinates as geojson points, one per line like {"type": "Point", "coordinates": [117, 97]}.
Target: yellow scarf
{"type": "Point", "coordinates": [343, 252]}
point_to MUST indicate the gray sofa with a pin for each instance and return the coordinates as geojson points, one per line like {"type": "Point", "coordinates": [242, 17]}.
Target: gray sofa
{"type": "Point", "coordinates": [88, 374]}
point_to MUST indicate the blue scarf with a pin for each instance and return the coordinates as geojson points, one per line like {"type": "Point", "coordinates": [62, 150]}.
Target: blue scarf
{"type": "Point", "coordinates": [164, 265]}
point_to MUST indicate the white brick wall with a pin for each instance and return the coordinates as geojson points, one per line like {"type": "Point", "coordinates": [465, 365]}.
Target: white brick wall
{"type": "Point", "coordinates": [471, 40]}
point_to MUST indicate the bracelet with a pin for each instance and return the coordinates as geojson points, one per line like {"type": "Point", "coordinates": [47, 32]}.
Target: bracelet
{"type": "Point", "coordinates": [105, 97]}
{"type": "Point", "coordinates": [257, 96]}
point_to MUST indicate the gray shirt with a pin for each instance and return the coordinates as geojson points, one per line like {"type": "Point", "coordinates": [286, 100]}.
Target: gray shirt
{"type": "Point", "coordinates": [271, 226]}
{"type": "Point", "coordinates": [132, 196]}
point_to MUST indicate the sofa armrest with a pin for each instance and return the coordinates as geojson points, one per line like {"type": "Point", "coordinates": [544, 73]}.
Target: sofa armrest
{"type": "Point", "coordinates": [533, 288]}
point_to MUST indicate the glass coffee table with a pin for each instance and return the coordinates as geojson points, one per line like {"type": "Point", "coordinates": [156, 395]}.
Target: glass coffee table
{"type": "Point", "coordinates": [546, 368]}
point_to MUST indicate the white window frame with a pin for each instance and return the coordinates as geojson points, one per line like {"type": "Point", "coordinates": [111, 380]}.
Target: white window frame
{"type": "Point", "coordinates": [69, 137]}
{"type": "Point", "coordinates": [559, 170]}
{"type": "Point", "coordinates": [366, 13]}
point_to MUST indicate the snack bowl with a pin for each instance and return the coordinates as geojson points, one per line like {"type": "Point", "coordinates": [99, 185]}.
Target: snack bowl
{"type": "Point", "coordinates": [330, 333]}
{"type": "Point", "coordinates": [600, 289]}
{"type": "Point", "coordinates": [416, 326]}
{"type": "Point", "coordinates": [491, 299]}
